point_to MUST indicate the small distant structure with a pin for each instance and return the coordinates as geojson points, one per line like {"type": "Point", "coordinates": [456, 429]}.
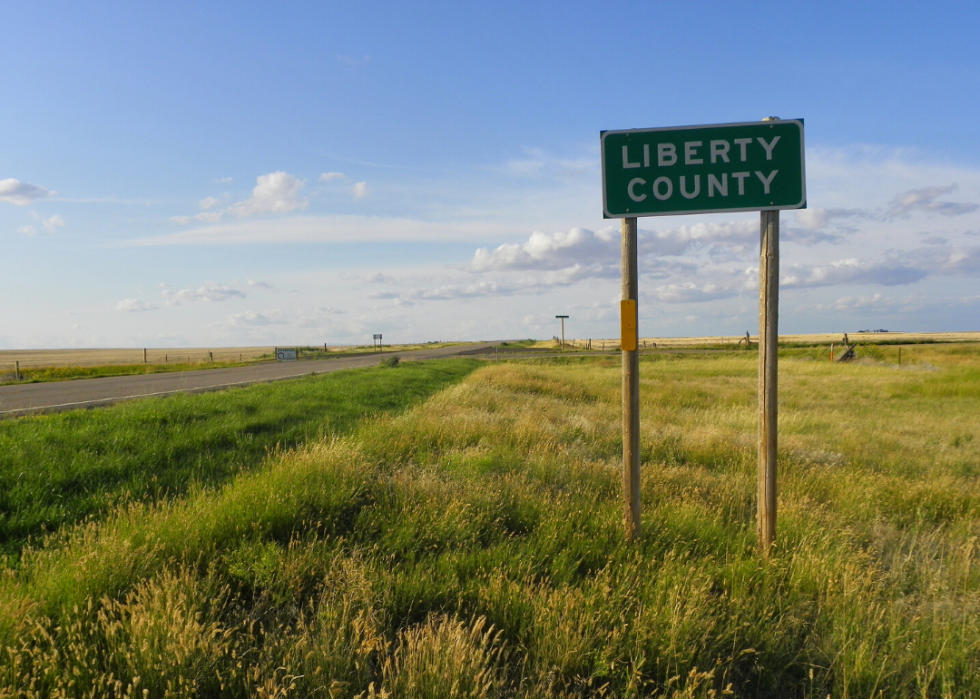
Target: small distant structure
{"type": "Point", "coordinates": [747, 340]}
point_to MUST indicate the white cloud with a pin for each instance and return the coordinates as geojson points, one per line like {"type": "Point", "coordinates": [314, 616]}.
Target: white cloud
{"type": "Point", "coordinates": [50, 224]}
{"type": "Point", "coordinates": [852, 303]}
{"type": "Point", "coordinates": [378, 278]}
{"type": "Point", "coordinates": [738, 235]}
{"type": "Point", "coordinates": [451, 292]}
{"type": "Point", "coordinates": [689, 292]}
{"type": "Point", "coordinates": [276, 193]}
{"type": "Point", "coordinates": [600, 250]}
{"type": "Point", "coordinates": [329, 229]}
{"type": "Point", "coordinates": [573, 274]}
{"type": "Point", "coordinates": [449, 289]}
{"type": "Point", "coordinates": [209, 292]}
{"type": "Point", "coordinates": [360, 190]}
{"type": "Point", "coordinates": [331, 176]}
{"type": "Point", "coordinates": [135, 306]}
{"type": "Point", "coordinates": [924, 199]}
{"type": "Point", "coordinates": [811, 219]}
{"type": "Point", "coordinates": [852, 271]}
{"type": "Point", "coordinates": [816, 218]}
{"type": "Point", "coordinates": [550, 251]}
{"type": "Point", "coordinates": [808, 236]}
{"type": "Point", "coordinates": [323, 317]}
{"type": "Point", "coordinates": [256, 318]}
{"type": "Point", "coordinates": [21, 193]}
{"type": "Point", "coordinates": [959, 260]}
{"type": "Point", "coordinates": [892, 269]}
{"type": "Point", "coordinates": [203, 217]}
{"type": "Point", "coordinates": [260, 285]}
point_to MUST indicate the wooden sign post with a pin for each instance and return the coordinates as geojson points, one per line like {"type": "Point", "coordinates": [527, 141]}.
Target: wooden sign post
{"type": "Point", "coordinates": [768, 351]}
{"type": "Point", "coordinates": [631, 383]}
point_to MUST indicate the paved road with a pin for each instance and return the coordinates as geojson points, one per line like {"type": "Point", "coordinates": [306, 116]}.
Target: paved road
{"type": "Point", "coordinates": [21, 399]}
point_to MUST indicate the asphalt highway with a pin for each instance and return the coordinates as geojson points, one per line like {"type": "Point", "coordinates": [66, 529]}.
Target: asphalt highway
{"type": "Point", "coordinates": [22, 399]}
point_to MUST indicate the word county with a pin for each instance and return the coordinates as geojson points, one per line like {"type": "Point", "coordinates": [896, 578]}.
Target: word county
{"type": "Point", "coordinates": [694, 153]}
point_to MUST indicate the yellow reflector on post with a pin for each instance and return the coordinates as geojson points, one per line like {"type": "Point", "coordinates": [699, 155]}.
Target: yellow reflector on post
{"type": "Point", "coordinates": [627, 311]}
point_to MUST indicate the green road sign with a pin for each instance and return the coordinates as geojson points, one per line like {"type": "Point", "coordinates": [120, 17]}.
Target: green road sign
{"type": "Point", "coordinates": [701, 169]}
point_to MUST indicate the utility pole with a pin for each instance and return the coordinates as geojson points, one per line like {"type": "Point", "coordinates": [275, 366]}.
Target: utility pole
{"type": "Point", "coordinates": [562, 318]}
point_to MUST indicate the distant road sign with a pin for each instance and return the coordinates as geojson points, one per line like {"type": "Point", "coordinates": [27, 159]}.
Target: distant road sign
{"type": "Point", "coordinates": [377, 336]}
{"type": "Point", "coordinates": [701, 169]}
{"type": "Point", "coordinates": [286, 355]}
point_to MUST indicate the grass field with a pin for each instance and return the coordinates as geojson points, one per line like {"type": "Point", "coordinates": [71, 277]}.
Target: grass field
{"type": "Point", "coordinates": [63, 468]}
{"type": "Point", "coordinates": [472, 547]}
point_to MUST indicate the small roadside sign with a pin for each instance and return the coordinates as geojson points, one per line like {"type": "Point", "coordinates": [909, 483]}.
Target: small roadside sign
{"type": "Point", "coordinates": [284, 354]}
{"type": "Point", "coordinates": [749, 166]}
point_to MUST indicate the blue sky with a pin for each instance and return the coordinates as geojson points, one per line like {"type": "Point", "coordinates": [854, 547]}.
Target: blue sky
{"type": "Point", "coordinates": [216, 174]}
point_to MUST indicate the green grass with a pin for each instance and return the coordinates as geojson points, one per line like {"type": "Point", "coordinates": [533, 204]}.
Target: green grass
{"type": "Point", "coordinates": [62, 468]}
{"type": "Point", "coordinates": [472, 547]}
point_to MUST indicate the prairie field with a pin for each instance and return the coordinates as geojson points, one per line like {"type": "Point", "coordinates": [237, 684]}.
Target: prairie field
{"type": "Point", "coordinates": [35, 359]}
{"type": "Point", "coordinates": [861, 338]}
{"type": "Point", "coordinates": [470, 544]}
